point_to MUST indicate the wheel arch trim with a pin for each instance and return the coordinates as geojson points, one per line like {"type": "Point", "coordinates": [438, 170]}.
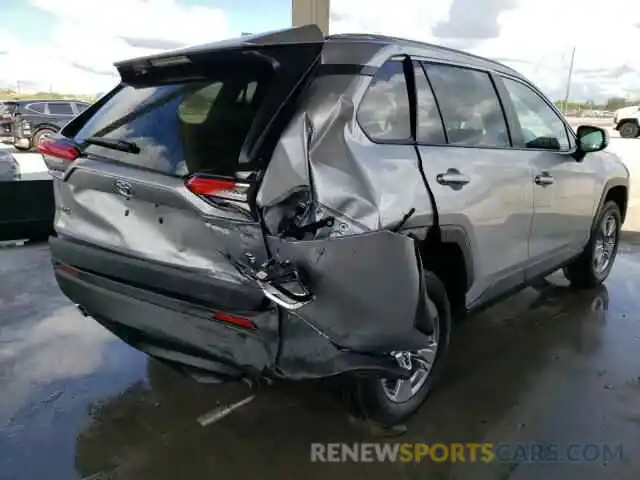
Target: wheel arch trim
{"type": "Point", "coordinates": [608, 186]}
{"type": "Point", "coordinates": [458, 235]}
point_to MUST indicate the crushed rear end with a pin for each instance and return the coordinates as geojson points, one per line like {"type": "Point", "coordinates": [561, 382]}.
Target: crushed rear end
{"type": "Point", "coordinates": [196, 233]}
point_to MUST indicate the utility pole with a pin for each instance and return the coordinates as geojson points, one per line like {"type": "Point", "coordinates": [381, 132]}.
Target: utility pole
{"type": "Point", "coordinates": [566, 97]}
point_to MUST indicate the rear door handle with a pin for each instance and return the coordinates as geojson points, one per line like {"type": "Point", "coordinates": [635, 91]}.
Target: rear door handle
{"type": "Point", "coordinates": [544, 179]}
{"type": "Point", "coordinates": [453, 178]}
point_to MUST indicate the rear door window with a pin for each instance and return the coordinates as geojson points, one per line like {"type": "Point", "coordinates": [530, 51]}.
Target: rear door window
{"type": "Point", "coordinates": [430, 128]}
{"type": "Point", "coordinates": [37, 107]}
{"type": "Point", "coordinates": [60, 108]}
{"type": "Point", "coordinates": [181, 128]}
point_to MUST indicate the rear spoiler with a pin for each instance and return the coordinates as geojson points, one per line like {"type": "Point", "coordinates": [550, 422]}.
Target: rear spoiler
{"type": "Point", "coordinates": [135, 69]}
{"type": "Point", "coordinates": [293, 53]}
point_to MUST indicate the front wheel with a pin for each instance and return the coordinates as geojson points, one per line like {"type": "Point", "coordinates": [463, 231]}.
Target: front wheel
{"type": "Point", "coordinates": [389, 402]}
{"type": "Point", "coordinates": [594, 265]}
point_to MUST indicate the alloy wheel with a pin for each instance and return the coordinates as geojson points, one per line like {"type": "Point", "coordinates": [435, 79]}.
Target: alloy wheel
{"type": "Point", "coordinates": [402, 390]}
{"type": "Point", "coordinates": [605, 244]}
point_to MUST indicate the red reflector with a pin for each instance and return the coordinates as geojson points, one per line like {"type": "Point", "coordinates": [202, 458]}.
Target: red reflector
{"type": "Point", "coordinates": [67, 269]}
{"type": "Point", "coordinates": [209, 186]}
{"type": "Point", "coordinates": [234, 320]}
{"type": "Point", "coordinates": [61, 150]}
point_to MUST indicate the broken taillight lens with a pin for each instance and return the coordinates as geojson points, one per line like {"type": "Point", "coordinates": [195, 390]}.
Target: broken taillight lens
{"type": "Point", "coordinates": [224, 188]}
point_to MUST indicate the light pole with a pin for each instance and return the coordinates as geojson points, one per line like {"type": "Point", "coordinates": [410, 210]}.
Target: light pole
{"type": "Point", "coordinates": [566, 97]}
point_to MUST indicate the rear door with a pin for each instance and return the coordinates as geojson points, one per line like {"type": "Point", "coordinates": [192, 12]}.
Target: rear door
{"type": "Point", "coordinates": [179, 193]}
{"type": "Point", "coordinates": [478, 183]}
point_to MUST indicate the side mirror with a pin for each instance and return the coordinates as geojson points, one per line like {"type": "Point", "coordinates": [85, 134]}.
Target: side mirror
{"type": "Point", "coordinates": [591, 139]}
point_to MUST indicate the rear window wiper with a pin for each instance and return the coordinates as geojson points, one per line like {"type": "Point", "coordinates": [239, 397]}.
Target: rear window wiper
{"type": "Point", "coordinates": [114, 144]}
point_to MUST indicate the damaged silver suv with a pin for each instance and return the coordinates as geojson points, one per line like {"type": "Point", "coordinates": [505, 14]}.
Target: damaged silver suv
{"type": "Point", "coordinates": [289, 205]}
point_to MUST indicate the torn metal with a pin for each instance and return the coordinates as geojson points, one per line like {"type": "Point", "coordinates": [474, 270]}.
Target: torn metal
{"type": "Point", "coordinates": [331, 204]}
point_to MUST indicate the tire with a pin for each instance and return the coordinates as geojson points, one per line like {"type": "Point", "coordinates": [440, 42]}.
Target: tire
{"type": "Point", "coordinates": [368, 396]}
{"type": "Point", "coordinates": [586, 271]}
{"type": "Point", "coordinates": [629, 130]}
{"type": "Point", "coordinates": [41, 135]}
{"type": "Point", "coordinates": [22, 149]}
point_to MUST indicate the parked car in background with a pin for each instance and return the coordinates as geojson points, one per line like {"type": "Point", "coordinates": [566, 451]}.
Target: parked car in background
{"type": "Point", "coordinates": [26, 202]}
{"type": "Point", "coordinates": [24, 123]}
{"type": "Point", "coordinates": [290, 205]}
{"type": "Point", "coordinates": [625, 120]}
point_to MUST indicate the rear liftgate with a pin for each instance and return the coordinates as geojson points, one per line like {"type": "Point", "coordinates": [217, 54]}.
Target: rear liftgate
{"type": "Point", "coordinates": [189, 238]}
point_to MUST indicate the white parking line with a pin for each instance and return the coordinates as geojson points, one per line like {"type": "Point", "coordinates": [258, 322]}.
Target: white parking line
{"type": "Point", "coordinates": [222, 411]}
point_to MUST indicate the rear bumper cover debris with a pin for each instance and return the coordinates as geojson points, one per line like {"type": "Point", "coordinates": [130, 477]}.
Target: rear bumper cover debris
{"type": "Point", "coordinates": [284, 344]}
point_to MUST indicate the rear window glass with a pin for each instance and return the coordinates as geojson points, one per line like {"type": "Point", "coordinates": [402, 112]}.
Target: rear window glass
{"type": "Point", "coordinates": [36, 107]}
{"type": "Point", "coordinates": [181, 128]}
{"type": "Point", "coordinates": [60, 109]}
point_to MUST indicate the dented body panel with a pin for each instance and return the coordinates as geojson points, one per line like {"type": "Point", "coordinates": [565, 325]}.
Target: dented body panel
{"type": "Point", "coordinates": [161, 222]}
{"type": "Point", "coordinates": [355, 305]}
{"type": "Point", "coordinates": [364, 185]}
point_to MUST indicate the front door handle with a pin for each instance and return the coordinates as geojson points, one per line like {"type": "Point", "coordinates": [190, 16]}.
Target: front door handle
{"type": "Point", "coordinates": [453, 178]}
{"type": "Point", "coordinates": [544, 179]}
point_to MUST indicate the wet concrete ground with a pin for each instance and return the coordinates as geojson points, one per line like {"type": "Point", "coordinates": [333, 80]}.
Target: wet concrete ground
{"type": "Point", "coordinates": [548, 365]}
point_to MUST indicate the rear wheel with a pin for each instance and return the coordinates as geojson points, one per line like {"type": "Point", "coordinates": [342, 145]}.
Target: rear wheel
{"type": "Point", "coordinates": [593, 266]}
{"type": "Point", "coordinates": [389, 402]}
{"type": "Point", "coordinates": [629, 130]}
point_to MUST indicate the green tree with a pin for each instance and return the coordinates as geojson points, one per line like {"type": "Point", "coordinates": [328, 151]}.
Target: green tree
{"type": "Point", "coordinates": [615, 103]}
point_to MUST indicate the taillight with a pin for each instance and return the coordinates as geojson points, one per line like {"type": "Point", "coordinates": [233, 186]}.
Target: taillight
{"type": "Point", "coordinates": [234, 320]}
{"type": "Point", "coordinates": [58, 149]}
{"type": "Point", "coordinates": [58, 154]}
{"type": "Point", "coordinates": [218, 187]}
{"type": "Point", "coordinates": [5, 116]}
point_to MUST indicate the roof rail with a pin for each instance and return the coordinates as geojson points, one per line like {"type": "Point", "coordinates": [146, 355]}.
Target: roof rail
{"type": "Point", "coordinates": [406, 41]}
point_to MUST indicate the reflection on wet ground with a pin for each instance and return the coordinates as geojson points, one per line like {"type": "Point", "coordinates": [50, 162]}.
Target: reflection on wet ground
{"type": "Point", "coordinates": [548, 365]}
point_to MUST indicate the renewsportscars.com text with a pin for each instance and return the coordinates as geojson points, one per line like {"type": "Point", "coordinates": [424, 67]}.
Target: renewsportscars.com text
{"type": "Point", "coordinates": [467, 452]}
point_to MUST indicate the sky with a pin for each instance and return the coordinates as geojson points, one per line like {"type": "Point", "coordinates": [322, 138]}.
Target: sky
{"type": "Point", "coordinates": [71, 45]}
